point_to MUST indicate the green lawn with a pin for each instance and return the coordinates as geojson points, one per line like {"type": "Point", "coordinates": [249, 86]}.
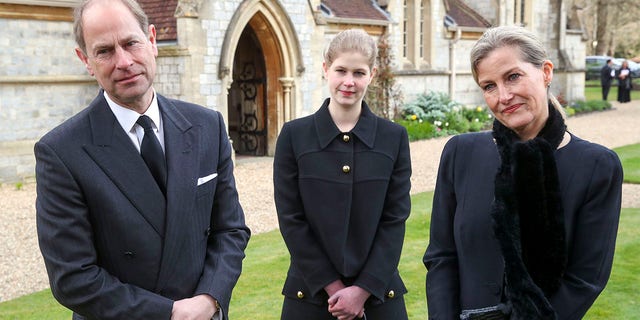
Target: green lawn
{"type": "Point", "coordinates": [593, 91]}
{"type": "Point", "coordinates": [630, 158]}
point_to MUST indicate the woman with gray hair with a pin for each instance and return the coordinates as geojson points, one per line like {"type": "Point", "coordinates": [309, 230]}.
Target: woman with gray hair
{"type": "Point", "coordinates": [524, 217]}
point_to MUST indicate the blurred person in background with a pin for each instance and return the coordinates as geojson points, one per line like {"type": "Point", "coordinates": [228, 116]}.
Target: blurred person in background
{"type": "Point", "coordinates": [607, 74]}
{"type": "Point", "coordinates": [625, 83]}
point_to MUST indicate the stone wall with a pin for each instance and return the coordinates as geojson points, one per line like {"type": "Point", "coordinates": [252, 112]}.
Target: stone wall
{"type": "Point", "coordinates": [42, 83]}
{"type": "Point", "coordinates": [168, 77]}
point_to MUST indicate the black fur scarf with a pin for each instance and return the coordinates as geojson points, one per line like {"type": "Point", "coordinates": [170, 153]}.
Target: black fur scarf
{"type": "Point", "coordinates": [528, 218]}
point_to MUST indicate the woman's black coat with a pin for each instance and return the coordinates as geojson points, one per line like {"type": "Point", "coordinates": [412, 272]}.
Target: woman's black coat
{"type": "Point", "coordinates": [342, 201]}
{"type": "Point", "coordinates": [464, 263]}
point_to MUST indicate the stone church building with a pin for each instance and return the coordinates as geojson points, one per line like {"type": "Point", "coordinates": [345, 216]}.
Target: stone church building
{"type": "Point", "coordinates": [259, 62]}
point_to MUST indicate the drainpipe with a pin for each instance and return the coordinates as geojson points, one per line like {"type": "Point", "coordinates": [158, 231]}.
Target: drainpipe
{"type": "Point", "coordinates": [452, 63]}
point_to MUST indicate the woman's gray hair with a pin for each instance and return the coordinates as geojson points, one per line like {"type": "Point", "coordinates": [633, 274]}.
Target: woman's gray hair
{"type": "Point", "coordinates": [524, 43]}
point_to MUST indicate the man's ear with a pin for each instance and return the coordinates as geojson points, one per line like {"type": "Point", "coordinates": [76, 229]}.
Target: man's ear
{"type": "Point", "coordinates": [325, 69]}
{"type": "Point", "coordinates": [153, 39]}
{"type": "Point", "coordinates": [84, 60]}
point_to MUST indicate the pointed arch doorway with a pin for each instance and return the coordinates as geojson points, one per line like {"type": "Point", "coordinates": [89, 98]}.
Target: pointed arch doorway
{"type": "Point", "coordinates": [259, 64]}
{"type": "Point", "coordinates": [254, 94]}
{"type": "Point", "coordinates": [248, 98]}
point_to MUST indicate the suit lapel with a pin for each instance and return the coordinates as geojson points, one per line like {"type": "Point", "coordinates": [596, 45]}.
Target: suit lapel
{"type": "Point", "coordinates": [113, 151]}
{"type": "Point", "coordinates": [181, 149]}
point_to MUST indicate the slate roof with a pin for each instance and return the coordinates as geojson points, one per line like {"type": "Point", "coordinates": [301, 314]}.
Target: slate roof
{"type": "Point", "coordinates": [160, 14]}
{"type": "Point", "coordinates": [464, 16]}
{"type": "Point", "coordinates": [355, 9]}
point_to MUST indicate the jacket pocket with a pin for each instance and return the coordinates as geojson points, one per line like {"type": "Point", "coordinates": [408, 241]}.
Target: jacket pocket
{"type": "Point", "coordinates": [206, 188]}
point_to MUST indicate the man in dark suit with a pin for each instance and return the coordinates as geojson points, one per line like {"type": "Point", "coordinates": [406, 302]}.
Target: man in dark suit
{"type": "Point", "coordinates": [118, 241]}
{"type": "Point", "coordinates": [606, 77]}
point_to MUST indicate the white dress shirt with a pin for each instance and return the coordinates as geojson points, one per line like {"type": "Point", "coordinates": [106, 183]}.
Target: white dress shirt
{"type": "Point", "coordinates": [127, 119]}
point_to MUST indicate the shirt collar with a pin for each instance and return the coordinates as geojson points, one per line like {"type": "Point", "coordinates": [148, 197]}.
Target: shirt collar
{"type": "Point", "coordinates": [127, 117]}
{"type": "Point", "coordinates": [326, 129]}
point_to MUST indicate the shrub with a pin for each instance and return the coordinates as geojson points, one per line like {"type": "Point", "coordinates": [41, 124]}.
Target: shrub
{"type": "Point", "coordinates": [570, 111]}
{"type": "Point", "coordinates": [430, 107]}
{"type": "Point", "coordinates": [456, 123]}
{"type": "Point", "coordinates": [435, 115]}
{"type": "Point", "coordinates": [581, 106]}
{"type": "Point", "coordinates": [479, 118]}
{"type": "Point", "coordinates": [444, 116]}
{"type": "Point", "coordinates": [418, 130]}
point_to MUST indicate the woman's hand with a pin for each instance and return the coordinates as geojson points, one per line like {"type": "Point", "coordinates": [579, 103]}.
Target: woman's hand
{"type": "Point", "coordinates": [334, 287]}
{"type": "Point", "coordinates": [348, 303]}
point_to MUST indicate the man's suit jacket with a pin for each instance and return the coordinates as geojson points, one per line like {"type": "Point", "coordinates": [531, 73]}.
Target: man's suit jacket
{"type": "Point", "coordinates": [605, 75]}
{"type": "Point", "coordinates": [112, 246]}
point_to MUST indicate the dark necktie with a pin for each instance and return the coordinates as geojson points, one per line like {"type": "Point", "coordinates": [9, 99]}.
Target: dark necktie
{"type": "Point", "coordinates": [152, 154]}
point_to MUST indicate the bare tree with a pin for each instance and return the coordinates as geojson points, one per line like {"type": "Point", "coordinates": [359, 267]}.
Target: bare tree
{"type": "Point", "coordinates": [602, 36]}
{"type": "Point", "coordinates": [610, 26]}
{"type": "Point", "coordinates": [619, 18]}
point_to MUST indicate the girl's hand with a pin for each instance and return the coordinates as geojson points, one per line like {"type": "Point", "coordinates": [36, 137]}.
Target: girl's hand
{"type": "Point", "coordinates": [348, 303]}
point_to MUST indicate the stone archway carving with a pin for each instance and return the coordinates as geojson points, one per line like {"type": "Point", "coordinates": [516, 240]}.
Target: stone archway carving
{"type": "Point", "coordinates": [188, 9]}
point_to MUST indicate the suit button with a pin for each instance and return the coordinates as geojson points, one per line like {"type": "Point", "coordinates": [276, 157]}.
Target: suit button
{"type": "Point", "coordinates": [346, 169]}
{"type": "Point", "coordinates": [207, 232]}
{"type": "Point", "coordinates": [391, 294]}
{"type": "Point", "coordinates": [129, 254]}
{"type": "Point", "coordinates": [300, 295]}
{"type": "Point", "coordinates": [346, 138]}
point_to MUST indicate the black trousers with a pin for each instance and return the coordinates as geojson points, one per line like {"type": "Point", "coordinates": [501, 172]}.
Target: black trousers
{"type": "Point", "coordinates": [605, 92]}
{"type": "Point", "coordinates": [294, 309]}
{"type": "Point", "coordinates": [624, 94]}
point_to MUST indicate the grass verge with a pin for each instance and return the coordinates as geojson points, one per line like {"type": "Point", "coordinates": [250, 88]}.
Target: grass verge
{"type": "Point", "coordinates": [630, 158]}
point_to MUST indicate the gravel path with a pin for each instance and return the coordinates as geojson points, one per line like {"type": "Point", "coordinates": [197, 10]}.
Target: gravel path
{"type": "Point", "coordinates": [22, 269]}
